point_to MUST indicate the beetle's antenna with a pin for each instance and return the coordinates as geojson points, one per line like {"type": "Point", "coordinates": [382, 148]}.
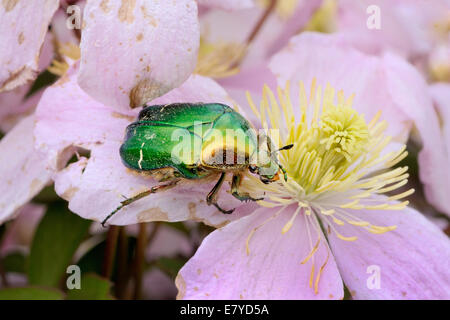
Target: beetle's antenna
{"type": "Point", "coordinates": [287, 147]}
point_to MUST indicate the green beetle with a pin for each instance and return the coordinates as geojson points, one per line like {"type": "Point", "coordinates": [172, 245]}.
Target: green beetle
{"type": "Point", "coordinates": [216, 140]}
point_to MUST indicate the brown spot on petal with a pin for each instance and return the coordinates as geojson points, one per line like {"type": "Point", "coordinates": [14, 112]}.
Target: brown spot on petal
{"type": "Point", "coordinates": [122, 116]}
{"type": "Point", "coordinates": [18, 78]}
{"type": "Point", "coordinates": [181, 286]}
{"type": "Point", "coordinates": [147, 16]}
{"type": "Point", "coordinates": [146, 90]}
{"type": "Point", "coordinates": [104, 6]}
{"type": "Point", "coordinates": [9, 4]}
{"type": "Point", "coordinates": [153, 214]}
{"type": "Point", "coordinates": [139, 37]}
{"type": "Point", "coordinates": [192, 209]}
{"type": "Point", "coordinates": [199, 271]}
{"type": "Point", "coordinates": [21, 38]}
{"type": "Point", "coordinates": [126, 11]}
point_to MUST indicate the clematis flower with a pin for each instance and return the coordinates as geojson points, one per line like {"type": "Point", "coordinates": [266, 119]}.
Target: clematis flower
{"type": "Point", "coordinates": [342, 211]}
{"type": "Point", "coordinates": [425, 43]}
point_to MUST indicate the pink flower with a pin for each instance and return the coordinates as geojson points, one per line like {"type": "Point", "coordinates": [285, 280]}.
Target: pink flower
{"type": "Point", "coordinates": [437, 161]}
{"type": "Point", "coordinates": [315, 232]}
{"type": "Point", "coordinates": [425, 42]}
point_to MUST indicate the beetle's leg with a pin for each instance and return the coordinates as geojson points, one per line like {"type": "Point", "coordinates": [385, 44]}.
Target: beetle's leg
{"type": "Point", "coordinates": [284, 172]}
{"type": "Point", "coordinates": [211, 198]}
{"type": "Point", "coordinates": [235, 183]}
{"type": "Point", "coordinates": [126, 202]}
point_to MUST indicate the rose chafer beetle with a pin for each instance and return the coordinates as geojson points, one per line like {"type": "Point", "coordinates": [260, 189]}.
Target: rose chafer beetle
{"type": "Point", "coordinates": [152, 145]}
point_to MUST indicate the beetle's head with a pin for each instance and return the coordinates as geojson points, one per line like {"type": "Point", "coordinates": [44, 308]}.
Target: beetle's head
{"type": "Point", "coordinates": [267, 166]}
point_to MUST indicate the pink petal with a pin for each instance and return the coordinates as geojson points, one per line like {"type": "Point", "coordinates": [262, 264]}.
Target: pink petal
{"type": "Point", "coordinates": [251, 79]}
{"type": "Point", "coordinates": [19, 234]}
{"type": "Point", "coordinates": [23, 170]}
{"type": "Point", "coordinates": [134, 51]}
{"type": "Point", "coordinates": [14, 104]}
{"type": "Point", "coordinates": [218, 26]}
{"type": "Point", "coordinates": [221, 269]}
{"type": "Point", "coordinates": [436, 164]}
{"type": "Point", "coordinates": [412, 260]}
{"type": "Point", "coordinates": [329, 60]}
{"type": "Point", "coordinates": [68, 117]}
{"type": "Point", "coordinates": [301, 16]}
{"type": "Point", "coordinates": [22, 39]}
{"type": "Point", "coordinates": [396, 32]}
{"type": "Point", "coordinates": [169, 242]}
{"type": "Point", "coordinates": [410, 92]}
{"type": "Point", "coordinates": [60, 30]}
{"type": "Point", "coordinates": [158, 286]}
{"type": "Point", "coordinates": [227, 5]}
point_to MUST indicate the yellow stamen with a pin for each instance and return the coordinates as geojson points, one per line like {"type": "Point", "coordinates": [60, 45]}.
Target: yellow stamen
{"type": "Point", "coordinates": [69, 50]}
{"type": "Point", "coordinates": [219, 60]}
{"type": "Point", "coordinates": [289, 224]}
{"type": "Point", "coordinates": [335, 169]}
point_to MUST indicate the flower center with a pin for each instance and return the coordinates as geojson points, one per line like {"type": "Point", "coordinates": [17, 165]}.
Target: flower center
{"type": "Point", "coordinates": [337, 167]}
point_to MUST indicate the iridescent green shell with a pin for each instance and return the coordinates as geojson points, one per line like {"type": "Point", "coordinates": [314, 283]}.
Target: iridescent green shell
{"type": "Point", "coordinates": [149, 141]}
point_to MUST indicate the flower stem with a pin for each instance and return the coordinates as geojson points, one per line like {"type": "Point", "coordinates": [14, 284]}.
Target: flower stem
{"type": "Point", "coordinates": [139, 260]}
{"type": "Point", "coordinates": [256, 29]}
{"type": "Point", "coordinates": [5, 283]}
{"type": "Point", "coordinates": [110, 251]}
{"type": "Point", "coordinates": [122, 263]}
{"type": "Point", "coordinates": [261, 21]}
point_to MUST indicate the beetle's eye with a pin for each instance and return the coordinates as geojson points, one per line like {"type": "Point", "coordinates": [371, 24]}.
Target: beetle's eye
{"type": "Point", "coordinates": [252, 168]}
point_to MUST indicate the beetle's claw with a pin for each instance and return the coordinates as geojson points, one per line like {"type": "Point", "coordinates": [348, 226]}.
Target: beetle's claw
{"type": "Point", "coordinates": [223, 210]}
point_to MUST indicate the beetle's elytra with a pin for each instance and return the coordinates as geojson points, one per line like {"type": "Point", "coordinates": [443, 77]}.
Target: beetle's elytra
{"type": "Point", "coordinates": [152, 145]}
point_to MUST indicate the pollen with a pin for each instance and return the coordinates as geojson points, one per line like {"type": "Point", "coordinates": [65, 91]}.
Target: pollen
{"type": "Point", "coordinates": [337, 169]}
{"type": "Point", "coordinates": [59, 66]}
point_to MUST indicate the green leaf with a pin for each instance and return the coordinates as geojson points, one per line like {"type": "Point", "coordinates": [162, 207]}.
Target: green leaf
{"type": "Point", "coordinates": [93, 287]}
{"type": "Point", "coordinates": [57, 237]}
{"type": "Point", "coordinates": [178, 226]}
{"type": "Point", "coordinates": [44, 79]}
{"type": "Point", "coordinates": [170, 266]}
{"type": "Point", "coordinates": [30, 293]}
{"type": "Point", "coordinates": [14, 262]}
